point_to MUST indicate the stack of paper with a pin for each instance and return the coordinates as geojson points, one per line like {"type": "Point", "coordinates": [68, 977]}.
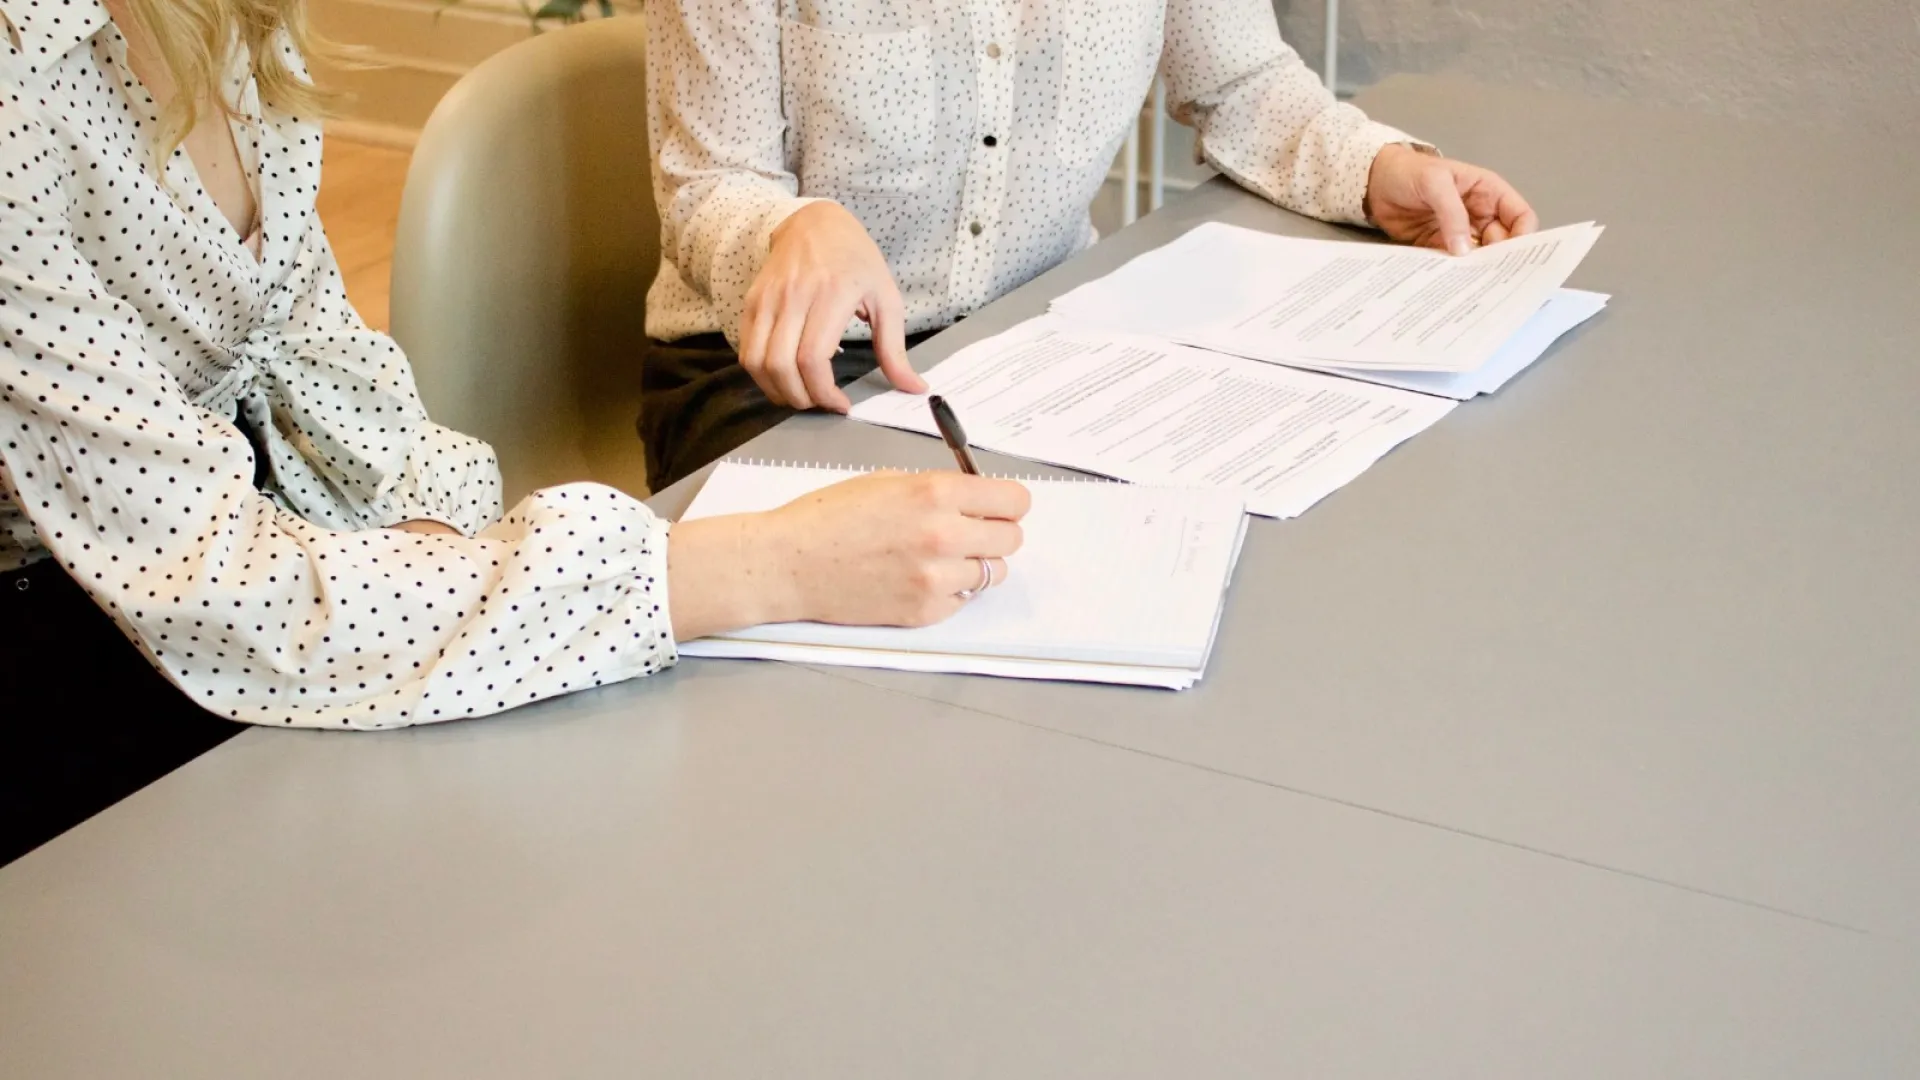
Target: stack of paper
{"type": "Point", "coordinates": [1237, 359]}
{"type": "Point", "coordinates": [1332, 304]}
{"type": "Point", "coordinates": [1564, 310]}
{"type": "Point", "coordinates": [1113, 584]}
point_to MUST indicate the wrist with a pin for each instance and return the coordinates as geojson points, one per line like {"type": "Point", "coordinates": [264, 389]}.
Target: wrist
{"type": "Point", "coordinates": [426, 527]}
{"type": "Point", "coordinates": [729, 572]}
{"type": "Point", "coordinates": [807, 217]}
{"type": "Point", "coordinates": [767, 557]}
{"type": "Point", "coordinates": [1387, 160]}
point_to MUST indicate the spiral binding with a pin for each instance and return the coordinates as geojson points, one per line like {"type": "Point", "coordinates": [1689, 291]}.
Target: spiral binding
{"type": "Point", "coordinates": [860, 470]}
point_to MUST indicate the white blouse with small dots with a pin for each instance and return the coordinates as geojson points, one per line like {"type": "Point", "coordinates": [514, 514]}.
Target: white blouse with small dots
{"type": "Point", "coordinates": [968, 136]}
{"type": "Point", "coordinates": [135, 326]}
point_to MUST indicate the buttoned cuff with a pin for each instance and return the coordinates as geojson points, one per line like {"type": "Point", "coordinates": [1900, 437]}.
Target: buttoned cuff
{"type": "Point", "coordinates": [1355, 166]}
{"type": "Point", "coordinates": [648, 605]}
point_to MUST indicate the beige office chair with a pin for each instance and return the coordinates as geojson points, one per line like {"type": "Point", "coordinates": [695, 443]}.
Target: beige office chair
{"type": "Point", "coordinates": [527, 239]}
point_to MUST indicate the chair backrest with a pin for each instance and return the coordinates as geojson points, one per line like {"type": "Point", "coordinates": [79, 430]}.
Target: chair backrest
{"type": "Point", "coordinates": [527, 240]}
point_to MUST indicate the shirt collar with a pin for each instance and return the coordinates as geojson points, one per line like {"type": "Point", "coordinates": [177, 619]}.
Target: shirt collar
{"type": "Point", "coordinates": [50, 29]}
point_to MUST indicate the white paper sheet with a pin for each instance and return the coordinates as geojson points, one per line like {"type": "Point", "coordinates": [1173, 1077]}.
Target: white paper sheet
{"type": "Point", "coordinates": [1152, 412]}
{"type": "Point", "coordinates": [944, 663]}
{"type": "Point", "coordinates": [1331, 303]}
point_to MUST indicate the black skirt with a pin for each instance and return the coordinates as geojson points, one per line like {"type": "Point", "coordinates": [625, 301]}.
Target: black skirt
{"type": "Point", "coordinates": [85, 721]}
{"type": "Point", "coordinates": [698, 404]}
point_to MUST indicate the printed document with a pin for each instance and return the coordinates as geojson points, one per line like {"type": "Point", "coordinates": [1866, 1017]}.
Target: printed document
{"type": "Point", "coordinates": [1327, 303]}
{"type": "Point", "coordinates": [1565, 310]}
{"type": "Point", "coordinates": [1152, 412]}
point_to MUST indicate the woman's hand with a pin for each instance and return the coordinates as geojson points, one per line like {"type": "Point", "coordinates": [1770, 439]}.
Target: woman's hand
{"type": "Point", "coordinates": [886, 549]}
{"type": "Point", "coordinates": [1435, 202]}
{"type": "Point", "coordinates": [823, 269]}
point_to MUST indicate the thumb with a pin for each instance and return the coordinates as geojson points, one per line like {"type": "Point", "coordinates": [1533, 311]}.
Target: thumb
{"type": "Point", "coordinates": [886, 314]}
{"type": "Point", "coordinates": [1449, 211]}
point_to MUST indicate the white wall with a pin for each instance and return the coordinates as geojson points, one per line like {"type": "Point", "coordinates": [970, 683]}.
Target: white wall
{"type": "Point", "coordinates": [1801, 59]}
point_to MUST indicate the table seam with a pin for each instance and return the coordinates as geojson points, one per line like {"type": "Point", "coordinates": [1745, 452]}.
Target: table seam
{"type": "Point", "coordinates": [1396, 815]}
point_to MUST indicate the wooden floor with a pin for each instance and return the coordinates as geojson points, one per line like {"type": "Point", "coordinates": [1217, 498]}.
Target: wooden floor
{"type": "Point", "coordinates": [360, 189]}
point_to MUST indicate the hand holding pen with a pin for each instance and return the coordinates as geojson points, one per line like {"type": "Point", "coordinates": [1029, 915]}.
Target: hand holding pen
{"type": "Point", "coordinates": [956, 440]}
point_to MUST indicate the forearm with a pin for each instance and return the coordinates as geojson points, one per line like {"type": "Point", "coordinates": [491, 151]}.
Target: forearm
{"type": "Point", "coordinates": [717, 129]}
{"type": "Point", "coordinates": [728, 572]}
{"type": "Point", "coordinates": [1265, 119]}
{"type": "Point", "coordinates": [718, 232]}
{"type": "Point", "coordinates": [1319, 169]}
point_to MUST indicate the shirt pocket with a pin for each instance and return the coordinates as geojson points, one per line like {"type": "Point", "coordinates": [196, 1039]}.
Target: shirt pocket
{"type": "Point", "coordinates": [1109, 52]}
{"type": "Point", "coordinates": [860, 109]}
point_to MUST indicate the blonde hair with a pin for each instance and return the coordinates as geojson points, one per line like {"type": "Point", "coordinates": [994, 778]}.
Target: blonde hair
{"type": "Point", "coordinates": [195, 39]}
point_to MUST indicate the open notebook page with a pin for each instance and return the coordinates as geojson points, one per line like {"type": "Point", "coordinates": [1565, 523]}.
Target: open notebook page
{"type": "Point", "coordinates": [1114, 583]}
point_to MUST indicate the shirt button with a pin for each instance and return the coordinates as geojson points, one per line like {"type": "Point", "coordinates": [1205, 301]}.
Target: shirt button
{"type": "Point", "coordinates": [976, 228]}
{"type": "Point", "coordinates": [993, 51]}
{"type": "Point", "coordinates": [991, 141]}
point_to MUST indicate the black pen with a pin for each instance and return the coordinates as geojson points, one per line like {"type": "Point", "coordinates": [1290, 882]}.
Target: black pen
{"type": "Point", "coordinates": [953, 433]}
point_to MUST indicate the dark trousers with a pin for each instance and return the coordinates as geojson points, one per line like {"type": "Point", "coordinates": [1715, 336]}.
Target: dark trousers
{"type": "Point", "coordinates": [698, 404]}
{"type": "Point", "coordinates": [84, 720]}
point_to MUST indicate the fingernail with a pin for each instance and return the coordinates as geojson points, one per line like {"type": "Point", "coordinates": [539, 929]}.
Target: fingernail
{"type": "Point", "coordinates": [1459, 246]}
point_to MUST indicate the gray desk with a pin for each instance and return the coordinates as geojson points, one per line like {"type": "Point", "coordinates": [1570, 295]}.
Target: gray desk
{"type": "Point", "coordinates": [1656, 605]}
{"type": "Point", "coordinates": [1575, 739]}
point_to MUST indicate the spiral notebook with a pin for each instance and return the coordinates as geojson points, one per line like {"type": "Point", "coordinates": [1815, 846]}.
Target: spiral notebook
{"type": "Point", "coordinates": [1114, 583]}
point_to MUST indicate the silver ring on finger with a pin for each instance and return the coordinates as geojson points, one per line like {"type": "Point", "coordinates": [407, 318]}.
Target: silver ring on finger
{"type": "Point", "coordinates": [986, 580]}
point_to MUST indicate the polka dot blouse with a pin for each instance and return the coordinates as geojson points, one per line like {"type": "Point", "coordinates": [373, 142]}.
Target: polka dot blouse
{"type": "Point", "coordinates": [968, 136]}
{"type": "Point", "coordinates": [211, 443]}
